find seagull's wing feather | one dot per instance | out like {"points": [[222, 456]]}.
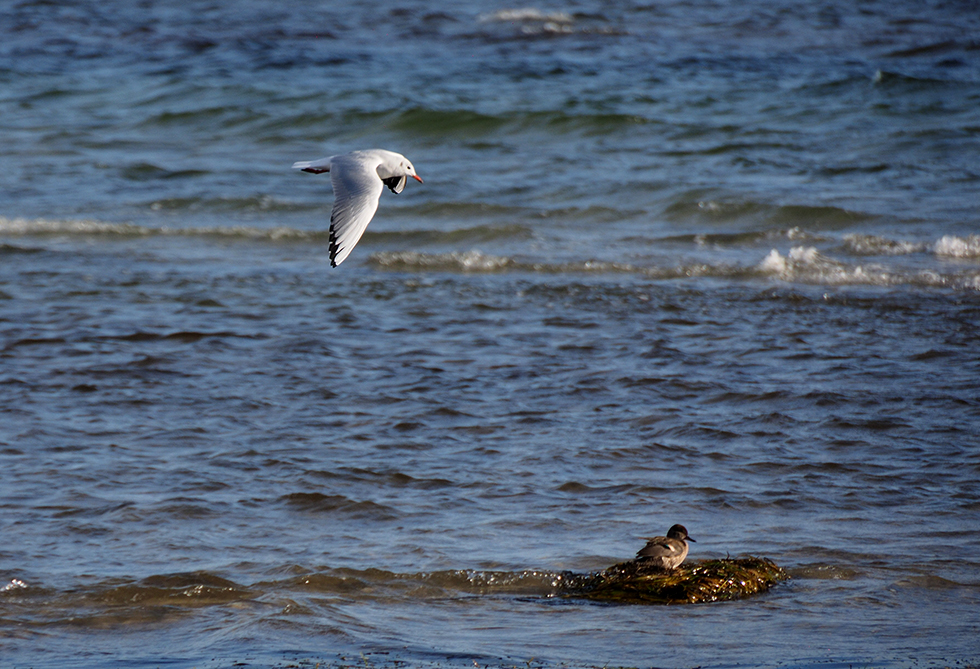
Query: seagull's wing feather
{"points": [[356, 188]]}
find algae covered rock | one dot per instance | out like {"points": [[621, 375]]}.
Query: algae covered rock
{"points": [[691, 583]]}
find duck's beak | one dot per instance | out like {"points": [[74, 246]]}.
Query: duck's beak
{"points": [[690, 539], [418, 178]]}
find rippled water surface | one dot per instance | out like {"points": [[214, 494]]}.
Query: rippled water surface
{"points": [[712, 263]]}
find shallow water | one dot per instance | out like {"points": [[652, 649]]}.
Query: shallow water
{"points": [[716, 265]]}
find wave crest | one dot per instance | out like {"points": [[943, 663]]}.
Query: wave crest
{"points": [[468, 261], [808, 265], [958, 247], [873, 245]]}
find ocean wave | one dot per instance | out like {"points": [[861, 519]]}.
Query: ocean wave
{"points": [[380, 583], [315, 503], [460, 123], [148, 171], [732, 239], [477, 262], [874, 245], [89, 227], [468, 261], [898, 79], [805, 262], [43, 226], [465, 123], [525, 14], [534, 22], [798, 219], [189, 589], [808, 265], [477, 233], [121, 600], [801, 260], [222, 117], [254, 203], [160, 596], [949, 246], [958, 247], [802, 264]]}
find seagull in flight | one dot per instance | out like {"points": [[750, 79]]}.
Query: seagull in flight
{"points": [[358, 179]]}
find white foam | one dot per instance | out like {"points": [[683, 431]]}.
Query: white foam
{"points": [[958, 247], [15, 584], [468, 261], [774, 263], [532, 21], [806, 255], [43, 226], [873, 245], [807, 265], [526, 14]]}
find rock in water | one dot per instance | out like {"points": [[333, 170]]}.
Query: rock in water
{"points": [[634, 582]]}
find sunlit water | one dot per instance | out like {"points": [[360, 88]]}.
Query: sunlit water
{"points": [[716, 265]]}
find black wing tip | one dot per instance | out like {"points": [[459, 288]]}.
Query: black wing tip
{"points": [[334, 248]]}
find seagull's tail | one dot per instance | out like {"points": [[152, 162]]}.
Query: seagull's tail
{"points": [[314, 166]]}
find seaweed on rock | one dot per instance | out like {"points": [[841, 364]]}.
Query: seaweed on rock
{"points": [[691, 583]]}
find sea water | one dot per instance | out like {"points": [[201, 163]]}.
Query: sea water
{"points": [[708, 263]]}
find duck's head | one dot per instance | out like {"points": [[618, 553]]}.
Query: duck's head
{"points": [[678, 532]]}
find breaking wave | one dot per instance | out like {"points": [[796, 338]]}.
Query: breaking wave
{"points": [[801, 265], [958, 247], [805, 264], [854, 259], [86, 227], [948, 246]]}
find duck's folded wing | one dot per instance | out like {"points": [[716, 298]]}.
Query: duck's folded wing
{"points": [[656, 547], [356, 193]]}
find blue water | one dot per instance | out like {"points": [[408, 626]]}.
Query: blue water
{"points": [[715, 264]]}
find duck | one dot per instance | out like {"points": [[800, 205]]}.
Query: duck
{"points": [[666, 552]]}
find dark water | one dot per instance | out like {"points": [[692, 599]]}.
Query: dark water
{"points": [[713, 263]]}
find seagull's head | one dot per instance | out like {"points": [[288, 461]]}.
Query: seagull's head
{"points": [[410, 171], [394, 169]]}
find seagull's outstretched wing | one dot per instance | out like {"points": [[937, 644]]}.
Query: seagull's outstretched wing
{"points": [[357, 189]]}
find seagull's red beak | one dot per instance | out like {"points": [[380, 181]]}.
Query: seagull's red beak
{"points": [[417, 177]]}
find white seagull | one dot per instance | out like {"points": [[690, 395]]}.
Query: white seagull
{"points": [[358, 178]]}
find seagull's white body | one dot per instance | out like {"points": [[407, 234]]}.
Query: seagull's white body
{"points": [[666, 552], [358, 179]]}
